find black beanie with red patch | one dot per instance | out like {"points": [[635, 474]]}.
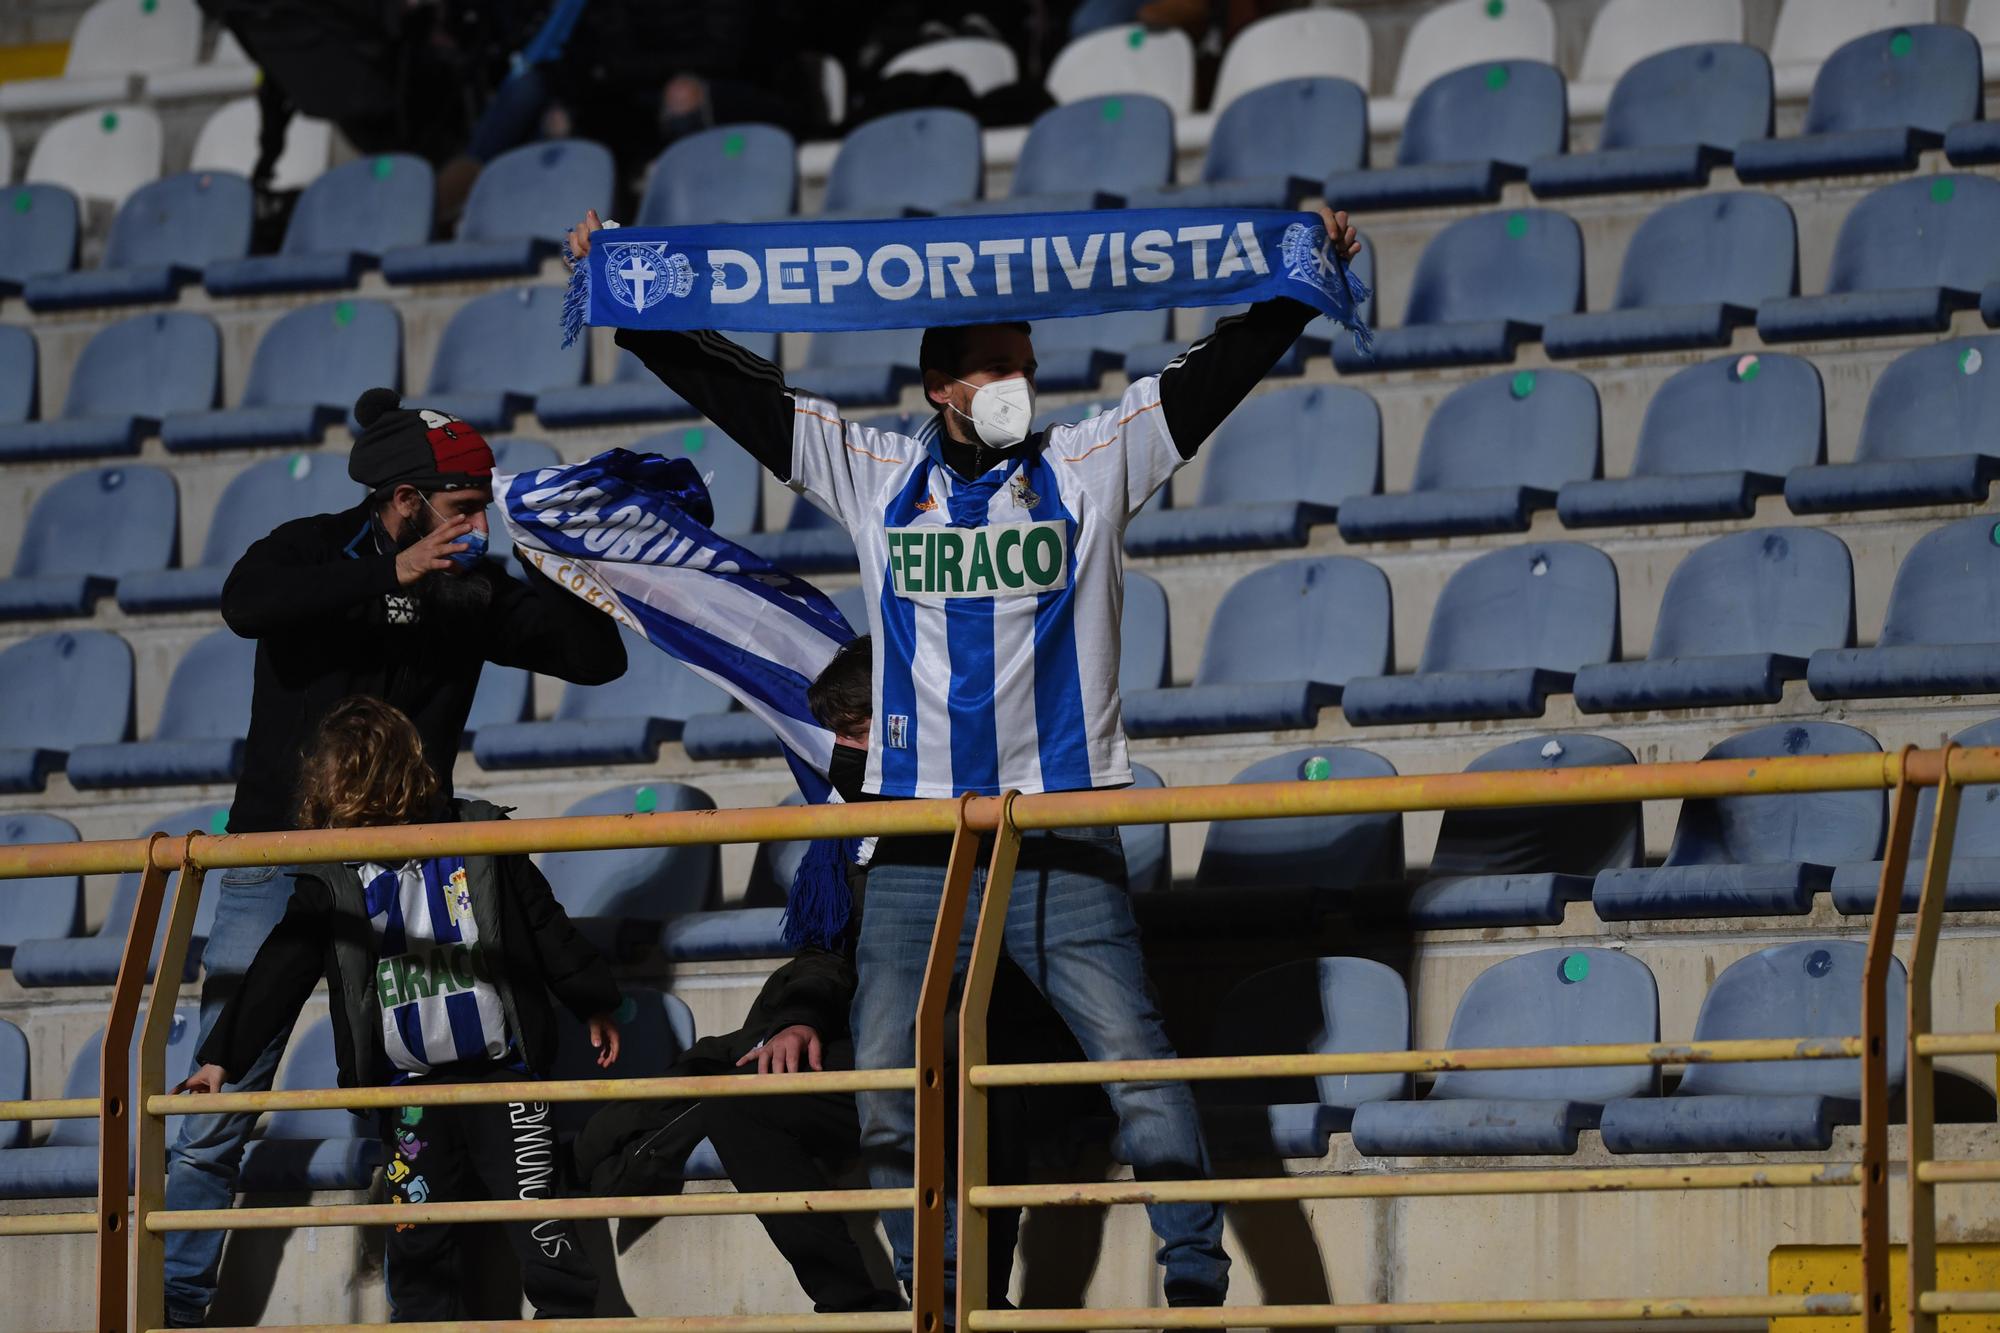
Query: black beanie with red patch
{"points": [[415, 446]]}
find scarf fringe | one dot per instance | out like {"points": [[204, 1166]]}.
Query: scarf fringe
{"points": [[1358, 295], [820, 906], [576, 298]]}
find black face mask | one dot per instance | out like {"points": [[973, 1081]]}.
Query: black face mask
{"points": [[848, 771]]}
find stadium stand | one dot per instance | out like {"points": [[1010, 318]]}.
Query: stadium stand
{"points": [[1460, 33], [732, 173], [114, 42], [228, 71], [1973, 883], [660, 1028], [165, 233], [984, 64], [1277, 48], [1128, 58], [99, 156], [860, 368], [58, 691], [515, 217], [1626, 33], [1810, 31], [133, 515], [1272, 146], [496, 355], [129, 377], [811, 542], [1335, 856], [342, 224], [202, 725], [1938, 636], [48, 907], [1467, 133], [1077, 352], [1096, 153], [310, 366], [618, 898], [912, 162], [38, 235]]}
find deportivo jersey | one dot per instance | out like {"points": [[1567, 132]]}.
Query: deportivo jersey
{"points": [[439, 1006], [994, 603]]}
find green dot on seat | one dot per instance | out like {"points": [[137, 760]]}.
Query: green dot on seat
{"points": [[302, 464], [1495, 8], [732, 145], [1522, 384], [108, 121], [1575, 968], [1113, 109], [24, 201], [693, 440], [1497, 76], [1748, 368], [1942, 189], [382, 167], [1900, 44], [148, 6], [1517, 225], [1317, 769], [1969, 361], [218, 822], [1137, 38], [343, 314], [1996, 534], [645, 801]]}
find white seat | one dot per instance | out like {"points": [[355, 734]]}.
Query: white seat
{"points": [[1810, 30], [1300, 44], [104, 153], [1458, 34], [1982, 20], [1627, 31], [226, 73], [6, 156], [114, 41], [1129, 58], [983, 63], [228, 142]]}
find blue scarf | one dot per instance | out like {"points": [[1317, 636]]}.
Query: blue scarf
{"points": [[918, 272]]}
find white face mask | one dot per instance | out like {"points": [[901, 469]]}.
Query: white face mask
{"points": [[1001, 411]]}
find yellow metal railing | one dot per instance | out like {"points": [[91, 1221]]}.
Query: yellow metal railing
{"points": [[127, 1208]]}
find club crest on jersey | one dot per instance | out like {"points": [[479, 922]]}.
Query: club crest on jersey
{"points": [[1001, 560], [642, 276], [458, 899], [899, 731]]}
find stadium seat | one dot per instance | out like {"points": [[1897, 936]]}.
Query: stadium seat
{"points": [[1927, 437], [1493, 452], [737, 932], [1907, 256], [59, 691], [1096, 153], [46, 907], [634, 393], [310, 366], [1283, 642], [128, 377], [732, 173], [1321, 333], [326, 1149], [256, 500], [1807, 988], [656, 1030], [202, 724], [163, 236], [1338, 855], [341, 225], [227, 72], [38, 231], [1694, 270], [1626, 33], [983, 62], [1939, 636], [231, 140], [1973, 884], [1510, 628], [1273, 145], [93, 960], [1279, 464], [860, 367], [520, 206], [1977, 142], [1739, 618], [811, 542], [1551, 997], [20, 375], [1520, 865], [618, 898], [1127, 58], [1460, 33], [735, 479], [1075, 353], [85, 533], [907, 162], [498, 352], [623, 722], [99, 156], [1877, 102], [114, 40], [1715, 437], [6, 154], [505, 694], [1292, 44], [1316, 1006], [13, 1082], [1469, 131], [1484, 284], [1755, 855], [1809, 32]]}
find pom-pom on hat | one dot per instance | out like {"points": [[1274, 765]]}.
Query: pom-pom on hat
{"points": [[415, 446]]}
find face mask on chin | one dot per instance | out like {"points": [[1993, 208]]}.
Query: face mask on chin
{"points": [[1001, 411]]}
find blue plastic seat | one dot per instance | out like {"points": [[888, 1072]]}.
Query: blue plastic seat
{"points": [[732, 933], [13, 1081], [128, 376], [1096, 153], [1510, 628], [46, 907], [1928, 436], [1468, 131], [1283, 642], [329, 1149], [1940, 634], [1755, 855], [1973, 883], [732, 173], [38, 231], [497, 354], [1521, 865], [201, 730], [256, 500], [1493, 452], [656, 1030], [1807, 988], [618, 898], [505, 694], [811, 542], [1694, 271], [623, 722], [87, 532], [59, 691], [1552, 997], [1484, 285], [1876, 103], [1279, 464], [1672, 118], [20, 375], [1273, 146], [920, 161], [1715, 437], [342, 224], [1338, 855], [520, 206], [859, 367], [634, 393], [163, 236], [310, 366], [1740, 617], [1077, 352], [1907, 256]]}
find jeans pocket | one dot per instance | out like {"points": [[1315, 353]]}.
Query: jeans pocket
{"points": [[244, 877]]}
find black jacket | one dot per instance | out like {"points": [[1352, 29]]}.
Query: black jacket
{"points": [[330, 621]]}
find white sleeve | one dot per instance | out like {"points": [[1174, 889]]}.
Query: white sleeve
{"points": [[1121, 456], [840, 465]]}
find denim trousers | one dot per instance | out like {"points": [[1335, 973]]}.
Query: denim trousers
{"points": [[1069, 927]]}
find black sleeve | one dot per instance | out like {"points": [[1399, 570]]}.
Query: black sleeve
{"points": [[280, 980], [539, 627], [574, 972], [1208, 380], [285, 579], [739, 391], [816, 989]]}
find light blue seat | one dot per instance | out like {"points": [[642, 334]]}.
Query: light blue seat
{"points": [[20, 375], [618, 898], [623, 722], [202, 725], [1095, 153], [1695, 270], [1510, 628], [1672, 118], [920, 161], [127, 378], [1273, 146], [59, 691], [46, 907], [859, 367], [1467, 132], [1755, 855], [1493, 452], [329, 1149], [1715, 437], [1877, 102], [1145, 660], [634, 393], [1282, 643], [1552, 997], [1340, 856], [38, 231], [256, 500], [732, 173], [738, 932], [1939, 636], [520, 206], [656, 1030], [87, 532], [1484, 285], [342, 224], [1973, 884], [1075, 353], [505, 694], [1521, 865], [163, 236], [1807, 988], [1907, 255], [1739, 618], [309, 368], [13, 1081], [497, 354], [1931, 435], [811, 542]]}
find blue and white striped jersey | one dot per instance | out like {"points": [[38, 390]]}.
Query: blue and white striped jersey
{"points": [[439, 1006]]}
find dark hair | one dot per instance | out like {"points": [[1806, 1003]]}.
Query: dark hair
{"points": [[365, 767], [842, 699], [943, 348]]}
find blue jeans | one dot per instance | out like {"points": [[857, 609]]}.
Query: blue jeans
{"points": [[204, 1159], [1069, 927]]}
